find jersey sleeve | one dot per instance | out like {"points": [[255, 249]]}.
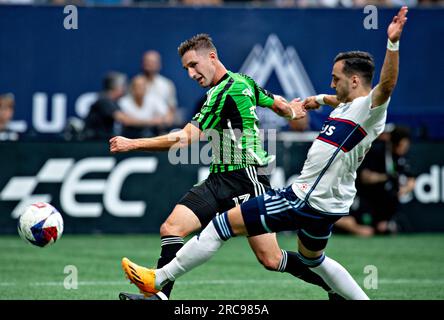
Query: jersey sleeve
{"points": [[381, 106], [263, 97], [377, 114]]}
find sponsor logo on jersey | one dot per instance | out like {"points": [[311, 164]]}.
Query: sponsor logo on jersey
{"points": [[341, 133]]}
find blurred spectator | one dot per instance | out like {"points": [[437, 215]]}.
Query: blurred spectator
{"points": [[7, 103], [99, 123], [160, 91], [105, 113], [16, 1], [137, 104], [383, 179]]}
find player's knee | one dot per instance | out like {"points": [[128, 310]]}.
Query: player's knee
{"points": [[312, 244], [269, 262], [177, 227], [169, 228]]}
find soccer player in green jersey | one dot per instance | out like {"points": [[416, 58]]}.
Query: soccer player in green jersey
{"points": [[228, 118]]}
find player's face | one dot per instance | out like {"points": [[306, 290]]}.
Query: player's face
{"points": [[138, 87], [151, 62], [403, 147], [340, 82], [200, 66], [6, 113]]}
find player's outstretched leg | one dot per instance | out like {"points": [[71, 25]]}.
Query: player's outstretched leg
{"points": [[169, 245], [338, 278], [194, 253], [197, 250], [142, 277], [292, 263], [181, 222], [269, 254], [335, 275]]}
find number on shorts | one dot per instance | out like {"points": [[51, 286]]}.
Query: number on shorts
{"points": [[241, 199]]}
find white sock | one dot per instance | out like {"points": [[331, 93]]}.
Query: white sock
{"points": [[339, 280], [194, 253]]}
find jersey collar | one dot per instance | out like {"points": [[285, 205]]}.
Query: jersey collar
{"points": [[225, 76]]}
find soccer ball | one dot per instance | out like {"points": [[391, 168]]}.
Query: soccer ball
{"points": [[41, 224]]}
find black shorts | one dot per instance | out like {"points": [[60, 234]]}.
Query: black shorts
{"points": [[281, 210], [223, 191]]}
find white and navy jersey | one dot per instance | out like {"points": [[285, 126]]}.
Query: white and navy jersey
{"points": [[327, 180]]}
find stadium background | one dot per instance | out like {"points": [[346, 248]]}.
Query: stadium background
{"points": [[54, 74]]}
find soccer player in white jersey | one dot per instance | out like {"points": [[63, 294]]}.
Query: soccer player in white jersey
{"points": [[325, 189]]}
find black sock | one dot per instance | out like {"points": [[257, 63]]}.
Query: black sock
{"points": [[169, 247], [291, 263]]}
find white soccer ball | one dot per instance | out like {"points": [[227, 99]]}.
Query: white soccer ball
{"points": [[41, 224]]}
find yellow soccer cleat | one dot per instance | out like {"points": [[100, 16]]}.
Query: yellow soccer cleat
{"points": [[142, 277]]}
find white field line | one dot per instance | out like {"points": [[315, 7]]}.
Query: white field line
{"points": [[433, 282]]}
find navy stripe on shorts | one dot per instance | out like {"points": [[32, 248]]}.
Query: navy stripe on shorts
{"points": [[281, 210]]}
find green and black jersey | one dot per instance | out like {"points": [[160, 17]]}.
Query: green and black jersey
{"points": [[229, 120]]}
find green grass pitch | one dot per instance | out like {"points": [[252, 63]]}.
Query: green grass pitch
{"points": [[408, 267]]}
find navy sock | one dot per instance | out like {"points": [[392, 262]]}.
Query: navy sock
{"points": [[295, 264]]}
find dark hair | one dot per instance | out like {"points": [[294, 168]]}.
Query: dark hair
{"points": [[113, 80], [199, 41], [398, 134], [358, 62]]}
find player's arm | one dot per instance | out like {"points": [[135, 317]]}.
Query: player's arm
{"points": [[390, 68], [178, 139], [290, 110], [372, 177], [408, 187], [279, 104], [314, 102]]}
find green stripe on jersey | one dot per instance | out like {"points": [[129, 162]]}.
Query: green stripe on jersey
{"points": [[229, 120]]}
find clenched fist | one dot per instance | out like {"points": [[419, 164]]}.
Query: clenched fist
{"points": [[120, 144], [310, 103]]}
